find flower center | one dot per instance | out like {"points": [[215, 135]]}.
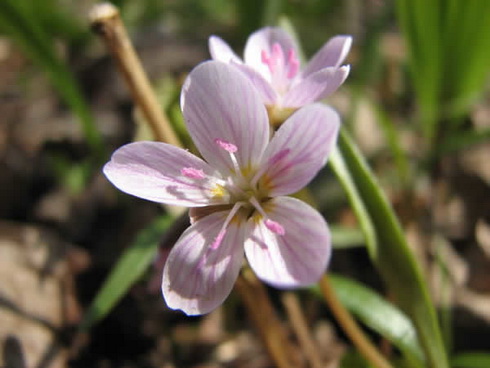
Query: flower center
{"points": [[244, 192], [283, 67]]}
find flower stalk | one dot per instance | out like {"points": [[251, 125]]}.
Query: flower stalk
{"points": [[298, 322], [351, 328], [265, 319], [106, 22]]}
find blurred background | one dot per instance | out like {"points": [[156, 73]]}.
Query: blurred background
{"points": [[416, 103]]}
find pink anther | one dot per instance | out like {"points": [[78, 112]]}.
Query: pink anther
{"points": [[293, 64], [192, 173], [227, 146], [277, 52], [275, 227], [275, 59], [269, 61]]}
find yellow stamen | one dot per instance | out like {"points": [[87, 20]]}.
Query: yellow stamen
{"points": [[218, 191]]}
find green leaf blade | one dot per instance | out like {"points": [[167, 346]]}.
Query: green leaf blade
{"points": [[129, 269], [392, 256], [19, 21], [379, 315], [471, 360]]}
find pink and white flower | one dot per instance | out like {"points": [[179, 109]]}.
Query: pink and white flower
{"points": [[237, 192], [271, 62]]}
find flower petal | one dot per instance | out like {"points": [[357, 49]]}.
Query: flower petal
{"points": [[299, 149], [332, 54], [315, 87], [196, 277], [154, 171], [221, 51], [269, 94], [297, 258], [262, 40], [219, 102]]}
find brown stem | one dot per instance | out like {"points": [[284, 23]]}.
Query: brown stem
{"points": [[300, 327], [107, 23], [351, 328], [255, 298]]}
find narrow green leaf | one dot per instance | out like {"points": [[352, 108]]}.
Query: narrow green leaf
{"points": [[455, 142], [352, 359], [448, 58], [471, 360], [419, 22], [466, 52], [17, 20], [394, 142], [346, 237], [271, 11], [379, 315], [130, 267], [392, 255], [340, 169]]}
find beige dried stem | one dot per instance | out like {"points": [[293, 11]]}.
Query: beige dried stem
{"points": [[106, 22], [264, 317], [351, 328], [300, 326]]}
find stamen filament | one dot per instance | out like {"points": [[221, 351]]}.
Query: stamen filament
{"points": [[238, 171], [231, 149], [219, 238]]}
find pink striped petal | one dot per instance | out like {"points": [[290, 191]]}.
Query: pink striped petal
{"points": [[220, 103], [299, 149], [262, 40], [197, 278], [269, 94], [297, 258], [332, 54], [221, 51], [315, 87], [163, 173]]}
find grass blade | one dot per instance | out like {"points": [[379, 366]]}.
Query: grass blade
{"points": [[16, 21], [130, 267], [392, 256], [471, 360], [379, 315], [344, 237], [341, 170]]}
